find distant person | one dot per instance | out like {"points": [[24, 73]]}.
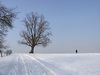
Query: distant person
{"points": [[76, 51], [1, 52]]}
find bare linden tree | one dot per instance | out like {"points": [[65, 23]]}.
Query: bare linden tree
{"points": [[36, 31]]}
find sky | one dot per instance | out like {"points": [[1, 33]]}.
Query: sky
{"points": [[75, 24]]}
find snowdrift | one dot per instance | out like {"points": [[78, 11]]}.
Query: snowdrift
{"points": [[50, 64]]}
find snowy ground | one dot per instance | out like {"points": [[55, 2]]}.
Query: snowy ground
{"points": [[50, 64]]}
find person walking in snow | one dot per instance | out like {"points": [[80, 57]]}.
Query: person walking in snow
{"points": [[1, 52], [76, 51]]}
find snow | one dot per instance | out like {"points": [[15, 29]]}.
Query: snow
{"points": [[51, 64]]}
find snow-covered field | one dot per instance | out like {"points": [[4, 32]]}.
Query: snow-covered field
{"points": [[51, 64]]}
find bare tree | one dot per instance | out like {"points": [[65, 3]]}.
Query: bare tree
{"points": [[6, 19], [36, 31], [8, 52]]}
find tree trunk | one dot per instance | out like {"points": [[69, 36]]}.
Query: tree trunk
{"points": [[32, 50]]}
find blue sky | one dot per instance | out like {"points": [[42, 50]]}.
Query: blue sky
{"points": [[75, 24]]}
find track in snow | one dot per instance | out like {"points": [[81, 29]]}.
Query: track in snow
{"points": [[51, 64], [23, 65]]}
